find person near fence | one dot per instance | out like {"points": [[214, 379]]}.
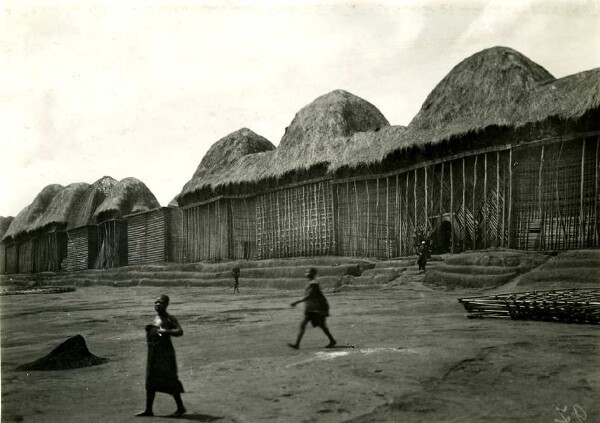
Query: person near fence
{"points": [[236, 278], [423, 256], [316, 310], [161, 367]]}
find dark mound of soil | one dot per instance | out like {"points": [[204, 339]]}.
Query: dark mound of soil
{"points": [[71, 354]]}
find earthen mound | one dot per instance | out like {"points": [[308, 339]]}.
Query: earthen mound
{"points": [[71, 354]]}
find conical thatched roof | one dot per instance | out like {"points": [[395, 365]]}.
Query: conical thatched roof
{"points": [[61, 207], [94, 195], [32, 212], [4, 224], [318, 129], [220, 160], [129, 195], [487, 88]]}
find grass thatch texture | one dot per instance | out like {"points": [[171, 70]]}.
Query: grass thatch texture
{"points": [[128, 196], [308, 139], [23, 221], [61, 207], [487, 88], [4, 224], [94, 195], [222, 157]]}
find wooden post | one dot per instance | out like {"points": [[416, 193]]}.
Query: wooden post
{"points": [[581, 185], [398, 218], [540, 195], [426, 205], [357, 217], [348, 221], [387, 215], [367, 249], [473, 195], [407, 239], [452, 206], [485, 199], [498, 243], [464, 210], [510, 196], [596, 194], [415, 203]]}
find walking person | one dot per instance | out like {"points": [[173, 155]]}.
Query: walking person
{"points": [[423, 256], [316, 310], [161, 367], [236, 276]]}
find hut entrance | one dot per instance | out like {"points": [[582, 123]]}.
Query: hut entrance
{"points": [[441, 237]]}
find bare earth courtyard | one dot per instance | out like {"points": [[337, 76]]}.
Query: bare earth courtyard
{"points": [[416, 358]]}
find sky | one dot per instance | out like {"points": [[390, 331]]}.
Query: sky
{"points": [[144, 88]]}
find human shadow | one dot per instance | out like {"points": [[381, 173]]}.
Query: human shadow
{"points": [[195, 417]]}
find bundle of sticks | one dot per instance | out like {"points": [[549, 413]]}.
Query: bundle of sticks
{"points": [[567, 306]]}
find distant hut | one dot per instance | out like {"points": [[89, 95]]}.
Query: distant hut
{"points": [[217, 226], [501, 155], [17, 240], [128, 196], [82, 232], [4, 224]]}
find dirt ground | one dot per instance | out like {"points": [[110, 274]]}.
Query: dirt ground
{"points": [[417, 358]]}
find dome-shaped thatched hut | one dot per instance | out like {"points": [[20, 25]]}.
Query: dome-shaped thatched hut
{"points": [[82, 231], [128, 196]]}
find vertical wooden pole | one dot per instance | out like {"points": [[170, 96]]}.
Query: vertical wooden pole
{"points": [[485, 201], [357, 218], [326, 221], [581, 186], [464, 210], [387, 216], [474, 194], [406, 219], [415, 204], [367, 249], [348, 225], [540, 198], [510, 196], [498, 199], [397, 219], [426, 203], [452, 228], [596, 194]]}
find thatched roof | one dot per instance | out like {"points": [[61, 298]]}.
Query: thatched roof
{"points": [[128, 196], [4, 224], [488, 88], [322, 127], [220, 160], [23, 221], [94, 195], [61, 207], [317, 135]]}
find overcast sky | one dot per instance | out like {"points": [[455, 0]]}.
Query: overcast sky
{"points": [[144, 88]]}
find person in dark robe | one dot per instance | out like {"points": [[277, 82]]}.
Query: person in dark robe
{"points": [[236, 277], [161, 367], [423, 256], [316, 310]]}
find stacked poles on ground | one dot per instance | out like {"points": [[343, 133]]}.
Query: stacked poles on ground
{"points": [[566, 306]]}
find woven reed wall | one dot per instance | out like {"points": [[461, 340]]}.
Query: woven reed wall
{"points": [[556, 196], [206, 231], [458, 205], [12, 258], [243, 229], [146, 237], [297, 221], [175, 251], [49, 251], [25, 256], [112, 242], [82, 248]]}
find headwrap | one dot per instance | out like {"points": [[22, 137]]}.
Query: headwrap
{"points": [[164, 299]]}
